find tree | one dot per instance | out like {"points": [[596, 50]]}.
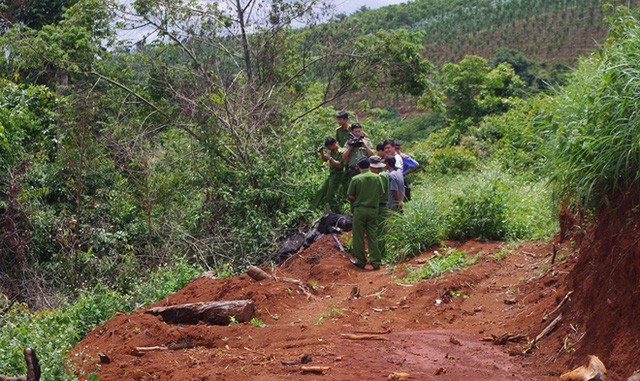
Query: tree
{"points": [[473, 89]]}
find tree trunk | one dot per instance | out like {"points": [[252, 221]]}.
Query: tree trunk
{"points": [[217, 313]]}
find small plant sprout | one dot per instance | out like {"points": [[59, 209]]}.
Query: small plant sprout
{"points": [[257, 323]]}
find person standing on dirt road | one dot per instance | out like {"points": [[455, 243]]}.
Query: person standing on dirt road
{"points": [[365, 191], [378, 166], [329, 192]]}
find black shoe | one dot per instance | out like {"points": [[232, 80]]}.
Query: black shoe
{"points": [[356, 263]]}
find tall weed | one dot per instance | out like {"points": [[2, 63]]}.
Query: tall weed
{"points": [[598, 150]]}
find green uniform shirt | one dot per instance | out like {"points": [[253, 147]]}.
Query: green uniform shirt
{"points": [[357, 153], [384, 175], [367, 189], [342, 136], [337, 156]]}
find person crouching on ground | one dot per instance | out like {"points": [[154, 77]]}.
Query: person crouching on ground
{"points": [[365, 191]]}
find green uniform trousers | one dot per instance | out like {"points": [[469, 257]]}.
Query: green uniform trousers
{"points": [[330, 193], [365, 220]]}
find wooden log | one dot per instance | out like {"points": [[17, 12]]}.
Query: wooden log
{"points": [[217, 313], [257, 273], [33, 365]]}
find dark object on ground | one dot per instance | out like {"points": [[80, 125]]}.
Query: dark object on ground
{"points": [[334, 223], [312, 236], [290, 246], [217, 313]]}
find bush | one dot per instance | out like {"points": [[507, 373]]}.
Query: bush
{"points": [[495, 205], [480, 211], [419, 228], [452, 160]]}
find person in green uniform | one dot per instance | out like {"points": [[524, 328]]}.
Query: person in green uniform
{"points": [[329, 193], [378, 166], [356, 148], [343, 130], [365, 191]]}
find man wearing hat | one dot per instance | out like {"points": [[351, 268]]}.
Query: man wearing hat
{"points": [[365, 191]]}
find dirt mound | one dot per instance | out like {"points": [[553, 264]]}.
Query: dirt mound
{"points": [[606, 280], [438, 329]]}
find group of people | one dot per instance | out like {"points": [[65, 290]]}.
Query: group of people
{"points": [[373, 181]]}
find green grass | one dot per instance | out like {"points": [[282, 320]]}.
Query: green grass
{"points": [[450, 260], [598, 114]]}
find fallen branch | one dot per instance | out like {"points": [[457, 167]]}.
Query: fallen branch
{"points": [[566, 297], [258, 274], [315, 369], [352, 336], [544, 332], [140, 351]]}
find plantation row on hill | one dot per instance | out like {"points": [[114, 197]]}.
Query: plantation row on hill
{"points": [[548, 31]]}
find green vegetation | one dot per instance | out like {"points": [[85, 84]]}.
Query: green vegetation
{"points": [[53, 332], [451, 259], [598, 151], [196, 150]]}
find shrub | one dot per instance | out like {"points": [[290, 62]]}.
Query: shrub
{"points": [[452, 160]]}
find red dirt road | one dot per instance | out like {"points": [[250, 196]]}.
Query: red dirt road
{"points": [[424, 338]]}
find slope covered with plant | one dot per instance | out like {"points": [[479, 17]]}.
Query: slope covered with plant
{"points": [[196, 149]]}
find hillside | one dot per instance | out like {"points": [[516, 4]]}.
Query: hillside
{"points": [[548, 31]]}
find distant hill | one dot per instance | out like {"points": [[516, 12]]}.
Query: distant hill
{"points": [[548, 31]]}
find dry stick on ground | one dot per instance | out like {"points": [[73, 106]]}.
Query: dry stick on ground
{"points": [[544, 333], [352, 336], [340, 247], [566, 297], [217, 313], [139, 351], [315, 369], [258, 274]]}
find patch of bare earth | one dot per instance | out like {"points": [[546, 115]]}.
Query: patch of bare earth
{"points": [[474, 323]]}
